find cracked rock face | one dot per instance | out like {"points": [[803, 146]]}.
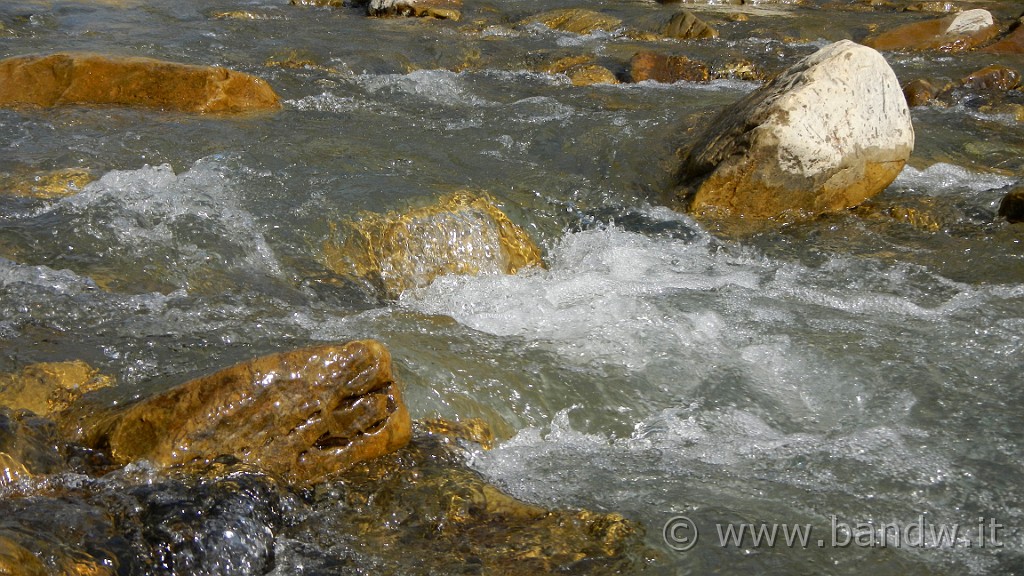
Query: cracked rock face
{"points": [[99, 80], [828, 133], [302, 415]]}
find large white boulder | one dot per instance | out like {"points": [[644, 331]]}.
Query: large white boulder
{"points": [[828, 133]]}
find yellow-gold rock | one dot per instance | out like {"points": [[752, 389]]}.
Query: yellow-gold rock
{"points": [[462, 234], [100, 80]]}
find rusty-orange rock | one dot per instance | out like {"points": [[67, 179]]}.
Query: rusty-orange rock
{"points": [[1012, 206], [666, 68], [1012, 43], [94, 79], [303, 415], [955, 33], [994, 77]]}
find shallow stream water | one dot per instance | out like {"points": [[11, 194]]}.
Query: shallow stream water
{"points": [[852, 371]]}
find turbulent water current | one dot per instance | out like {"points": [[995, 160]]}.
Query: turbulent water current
{"points": [[846, 373]]}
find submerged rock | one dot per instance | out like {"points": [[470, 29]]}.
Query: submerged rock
{"points": [[424, 494], [66, 537], [809, 142], [49, 387], [94, 79], [954, 33], [575, 20], [683, 25], [994, 77], [47, 185], [29, 445], [303, 415], [462, 234], [1012, 43], [1012, 206], [442, 9], [581, 71], [991, 89]]}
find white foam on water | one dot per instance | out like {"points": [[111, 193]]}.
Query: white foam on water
{"points": [[602, 297], [196, 216], [949, 179], [324, 102], [440, 87]]}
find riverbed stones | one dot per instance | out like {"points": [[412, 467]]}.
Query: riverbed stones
{"points": [[992, 88], [462, 234], [1012, 206], [954, 33], [99, 80], [826, 134], [441, 9], [303, 415]]}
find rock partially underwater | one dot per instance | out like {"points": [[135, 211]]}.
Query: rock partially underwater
{"points": [[828, 133], [954, 33], [272, 465], [303, 415], [462, 234], [99, 80]]}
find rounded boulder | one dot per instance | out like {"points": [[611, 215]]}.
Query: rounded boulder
{"points": [[828, 133]]}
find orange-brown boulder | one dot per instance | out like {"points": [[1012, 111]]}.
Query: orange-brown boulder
{"points": [[955, 33], [99, 80], [1012, 43], [666, 68], [994, 77], [302, 415]]}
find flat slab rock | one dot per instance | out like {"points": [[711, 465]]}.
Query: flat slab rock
{"points": [[826, 134], [95, 79]]}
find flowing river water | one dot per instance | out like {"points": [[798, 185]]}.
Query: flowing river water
{"points": [[844, 373]]}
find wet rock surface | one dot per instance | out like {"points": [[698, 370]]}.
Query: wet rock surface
{"points": [[424, 494], [97, 80], [666, 68], [419, 510], [462, 234], [443, 9], [1012, 206], [49, 387], [303, 414], [29, 445], [809, 142], [955, 33]]}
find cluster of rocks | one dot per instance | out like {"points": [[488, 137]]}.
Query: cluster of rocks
{"points": [[237, 457]]}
